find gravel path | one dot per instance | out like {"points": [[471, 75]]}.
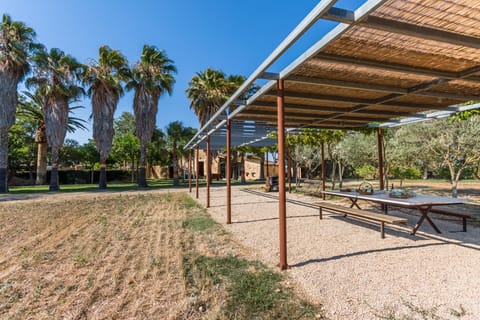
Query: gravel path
{"points": [[343, 263]]}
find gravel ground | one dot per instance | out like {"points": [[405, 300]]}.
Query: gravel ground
{"points": [[343, 264]]}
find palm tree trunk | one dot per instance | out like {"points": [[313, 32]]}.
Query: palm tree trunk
{"points": [[242, 168], [41, 163], [54, 186], [3, 160], [102, 183], [262, 167], [142, 175], [266, 160]]}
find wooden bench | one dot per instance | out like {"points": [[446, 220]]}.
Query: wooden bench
{"points": [[456, 212], [377, 217]]}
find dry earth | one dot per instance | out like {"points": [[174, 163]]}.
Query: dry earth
{"points": [[131, 255], [100, 257]]}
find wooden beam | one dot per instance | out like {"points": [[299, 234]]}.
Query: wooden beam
{"points": [[395, 67], [422, 32], [309, 116], [366, 102], [383, 88]]}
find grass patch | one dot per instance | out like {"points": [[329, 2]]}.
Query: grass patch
{"points": [[230, 287], [199, 222], [189, 203], [254, 291], [152, 184]]}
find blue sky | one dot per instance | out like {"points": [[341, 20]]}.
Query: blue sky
{"points": [[233, 36]]}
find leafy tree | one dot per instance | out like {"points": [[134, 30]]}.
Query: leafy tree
{"points": [[105, 79], [360, 149], [127, 148], [21, 155], [56, 78], [16, 44], [89, 156], [69, 154], [152, 77], [157, 153], [456, 142]]}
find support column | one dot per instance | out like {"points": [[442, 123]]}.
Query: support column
{"points": [[208, 171], [229, 174], [323, 170], [197, 165], [282, 206], [190, 170], [380, 158]]}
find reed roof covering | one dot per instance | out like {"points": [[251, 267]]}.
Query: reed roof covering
{"points": [[382, 62]]}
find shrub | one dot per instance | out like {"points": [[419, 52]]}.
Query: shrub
{"points": [[366, 172], [404, 172]]}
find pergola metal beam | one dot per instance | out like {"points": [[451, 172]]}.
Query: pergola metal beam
{"points": [[307, 22], [340, 15], [269, 76], [289, 106]]}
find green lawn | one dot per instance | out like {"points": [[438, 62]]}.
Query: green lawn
{"points": [[152, 184]]}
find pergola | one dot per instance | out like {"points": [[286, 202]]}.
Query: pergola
{"points": [[386, 63]]}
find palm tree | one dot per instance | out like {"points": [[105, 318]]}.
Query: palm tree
{"points": [[33, 109], [56, 77], [16, 43], [177, 136], [105, 79], [151, 77], [207, 92]]}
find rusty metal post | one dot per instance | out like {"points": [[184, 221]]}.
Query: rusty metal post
{"points": [[380, 158], [323, 171], [229, 175], [190, 171], [282, 199], [208, 171], [197, 165]]}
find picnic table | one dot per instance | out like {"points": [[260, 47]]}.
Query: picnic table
{"points": [[422, 203]]}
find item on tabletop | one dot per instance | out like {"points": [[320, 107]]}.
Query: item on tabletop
{"points": [[401, 193], [365, 188], [345, 190]]}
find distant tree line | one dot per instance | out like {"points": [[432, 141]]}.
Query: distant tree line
{"points": [[56, 80]]}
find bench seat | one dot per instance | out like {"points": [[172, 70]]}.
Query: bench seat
{"points": [[377, 217], [456, 212]]}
